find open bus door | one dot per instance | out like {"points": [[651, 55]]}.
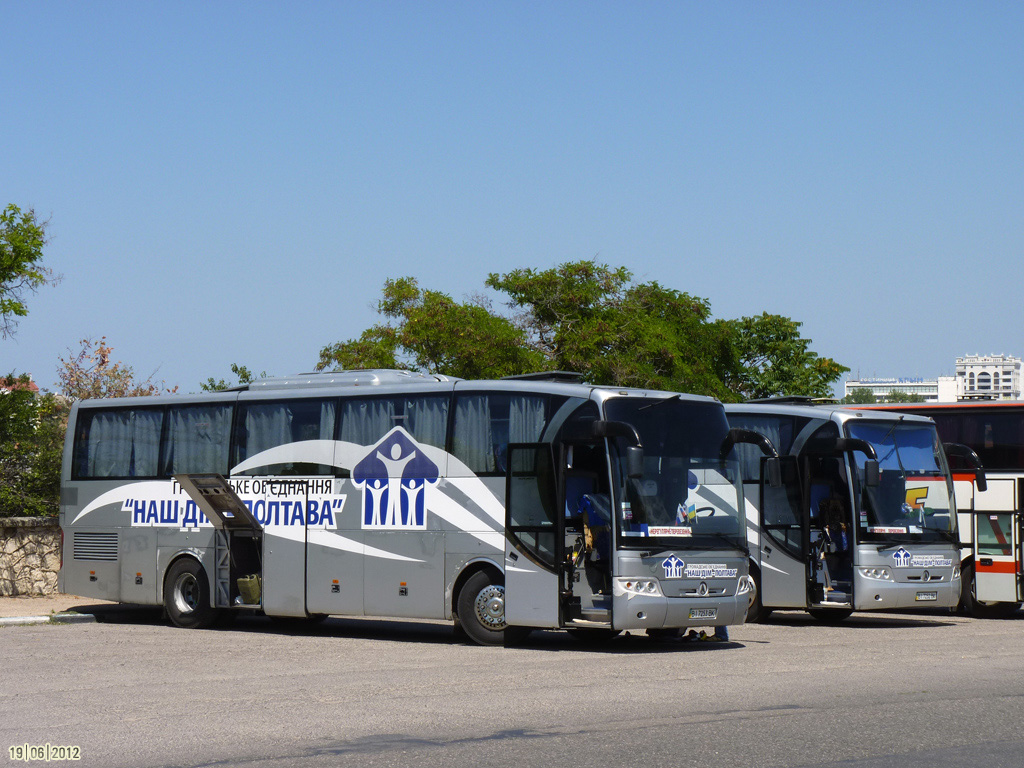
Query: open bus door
{"points": [[997, 547], [784, 554], [534, 532]]}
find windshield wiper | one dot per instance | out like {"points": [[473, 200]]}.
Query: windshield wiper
{"points": [[732, 541], [658, 402], [949, 536]]}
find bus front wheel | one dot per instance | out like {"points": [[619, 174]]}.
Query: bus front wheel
{"points": [[187, 595], [482, 609]]}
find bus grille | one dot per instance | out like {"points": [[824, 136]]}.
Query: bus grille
{"points": [[94, 546]]}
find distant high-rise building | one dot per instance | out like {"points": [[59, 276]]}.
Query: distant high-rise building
{"points": [[988, 377]]}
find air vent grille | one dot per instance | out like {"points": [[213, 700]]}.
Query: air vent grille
{"points": [[94, 546]]}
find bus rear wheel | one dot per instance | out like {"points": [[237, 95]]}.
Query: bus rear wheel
{"points": [[187, 595]]}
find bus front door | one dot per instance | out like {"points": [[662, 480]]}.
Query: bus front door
{"points": [[783, 554], [534, 531]]}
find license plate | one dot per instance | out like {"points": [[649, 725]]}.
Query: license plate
{"points": [[704, 613], [927, 596]]}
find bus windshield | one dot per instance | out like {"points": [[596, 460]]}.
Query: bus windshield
{"points": [[688, 497], [913, 500]]}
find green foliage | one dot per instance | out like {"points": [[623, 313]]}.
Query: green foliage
{"points": [[775, 360], [430, 332], [902, 397], [591, 319], [859, 396], [22, 237], [244, 375], [31, 443], [588, 318]]}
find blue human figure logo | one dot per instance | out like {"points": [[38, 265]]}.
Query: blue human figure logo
{"points": [[673, 567], [901, 558], [394, 476]]}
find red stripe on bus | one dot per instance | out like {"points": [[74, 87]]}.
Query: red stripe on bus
{"points": [[996, 568]]}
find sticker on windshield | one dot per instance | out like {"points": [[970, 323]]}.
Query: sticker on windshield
{"points": [[668, 530], [885, 529]]}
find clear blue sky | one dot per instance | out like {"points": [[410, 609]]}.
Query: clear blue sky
{"points": [[233, 182]]}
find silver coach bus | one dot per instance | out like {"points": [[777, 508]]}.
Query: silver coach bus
{"points": [[864, 519], [531, 502]]}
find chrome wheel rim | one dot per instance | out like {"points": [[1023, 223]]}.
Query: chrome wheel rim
{"points": [[490, 607], [186, 593]]}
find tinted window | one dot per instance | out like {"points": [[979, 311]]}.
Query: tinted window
{"points": [[263, 426], [196, 439], [486, 423], [123, 442], [365, 421]]}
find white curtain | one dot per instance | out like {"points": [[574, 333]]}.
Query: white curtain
{"points": [[426, 418], [198, 439], [472, 441], [525, 419], [123, 443], [364, 422]]}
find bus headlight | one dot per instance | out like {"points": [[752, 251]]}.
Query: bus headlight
{"points": [[879, 573], [746, 584], [645, 587], [956, 571]]}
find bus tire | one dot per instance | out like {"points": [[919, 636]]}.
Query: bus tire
{"points": [[977, 609], [756, 612], [482, 609], [187, 595], [830, 615]]}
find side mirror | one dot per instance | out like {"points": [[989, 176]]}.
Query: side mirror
{"points": [[856, 444], [773, 469], [634, 462], [738, 435], [872, 474], [970, 458]]}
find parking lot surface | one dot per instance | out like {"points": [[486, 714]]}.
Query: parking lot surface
{"points": [[876, 690]]}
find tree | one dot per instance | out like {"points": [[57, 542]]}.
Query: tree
{"points": [[591, 319], [902, 397], [428, 331], [775, 360], [22, 237], [860, 396], [90, 373], [31, 444], [587, 317], [245, 376]]}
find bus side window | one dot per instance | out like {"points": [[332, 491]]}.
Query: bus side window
{"points": [[196, 439], [485, 424], [122, 442], [262, 426]]}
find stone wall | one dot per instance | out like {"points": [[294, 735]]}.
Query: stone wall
{"points": [[29, 555]]}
